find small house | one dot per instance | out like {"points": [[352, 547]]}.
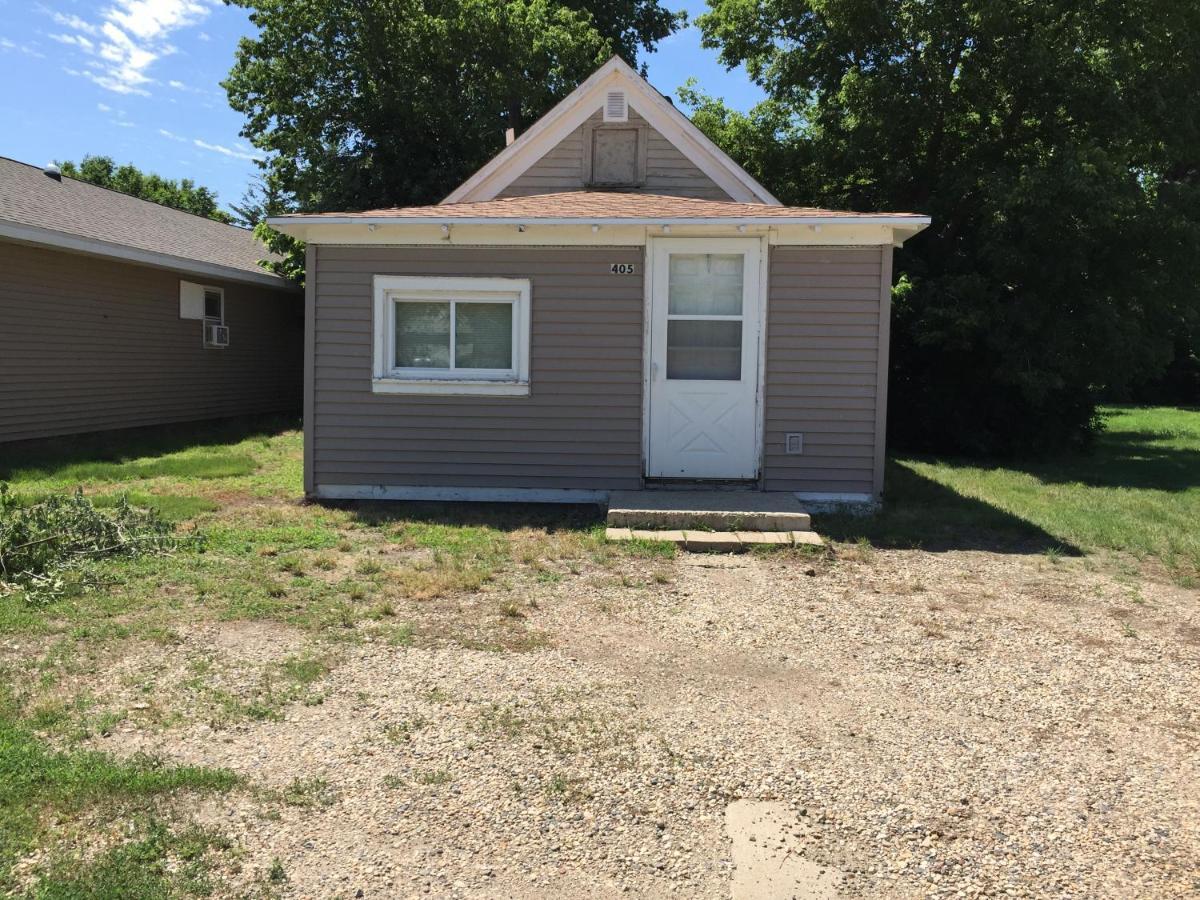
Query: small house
{"points": [[117, 313], [610, 303]]}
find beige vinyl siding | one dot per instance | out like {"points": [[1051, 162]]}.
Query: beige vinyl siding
{"points": [[668, 171], [88, 344], [821, 367], [580, 427]]}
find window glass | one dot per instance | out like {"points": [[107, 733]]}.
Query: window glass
{"points": [[212, 304], [422, 335], [705, 284], [483, 335], [699, 350]]}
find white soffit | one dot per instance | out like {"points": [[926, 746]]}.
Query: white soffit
{"points": [[615, 75]]}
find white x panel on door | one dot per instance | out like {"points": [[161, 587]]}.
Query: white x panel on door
{"points": [[705, 318]]}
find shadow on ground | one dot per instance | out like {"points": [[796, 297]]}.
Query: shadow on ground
{"points": [[51, 455], [1126, 459], [919, 513], [550, 517]]}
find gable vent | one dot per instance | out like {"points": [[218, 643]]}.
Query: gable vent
{"points": [[615, 107]]}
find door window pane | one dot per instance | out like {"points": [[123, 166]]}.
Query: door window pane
{"points": [[483, 335], [422, 335], [705, 284], [704, 351]]}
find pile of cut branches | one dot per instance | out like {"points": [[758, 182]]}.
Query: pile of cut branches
{"points": [[47, 547]]}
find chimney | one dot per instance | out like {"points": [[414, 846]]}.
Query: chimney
{"points": [[53, 171], [510, 135]]}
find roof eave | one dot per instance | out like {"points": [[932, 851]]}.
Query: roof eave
{"points": [[919, 222], [61, 240]]}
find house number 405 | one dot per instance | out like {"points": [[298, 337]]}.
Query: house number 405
{"points": [[622, 269]]}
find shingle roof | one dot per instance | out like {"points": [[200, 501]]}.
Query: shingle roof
{"points": [[590, 205], [29, 197]]}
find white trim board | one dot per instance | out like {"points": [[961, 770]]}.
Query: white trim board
{"points": [[571, 112], [587, 234], [47, 237], [451, 494]]}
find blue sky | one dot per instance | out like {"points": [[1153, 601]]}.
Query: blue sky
{"points": [[139, 80]]}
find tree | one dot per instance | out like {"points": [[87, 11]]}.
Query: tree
{"points": [[128, 179], [374, 103], [1053, 142]]}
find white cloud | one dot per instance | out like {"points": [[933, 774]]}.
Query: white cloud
{"points": [[121, 123], [172, 135], [226, 151], [28, 49], [77, 40], [132, 36], [178, 85], [103, 107], [74, 22], [204, 36], [152, 19]]}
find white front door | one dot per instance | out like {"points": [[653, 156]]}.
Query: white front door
{"points": [[705, 318]]}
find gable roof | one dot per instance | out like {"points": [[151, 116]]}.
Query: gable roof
{"points": [[75, 215], [602, 207], [576, 107]]}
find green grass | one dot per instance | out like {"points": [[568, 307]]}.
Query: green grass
{"points": [[1137, 492], [39, 784]]}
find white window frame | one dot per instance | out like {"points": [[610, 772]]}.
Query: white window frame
{"points": [[220, 292], [389, 379]]}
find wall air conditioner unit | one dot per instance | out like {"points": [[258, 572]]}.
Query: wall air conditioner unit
{"points": [[216, 334]]}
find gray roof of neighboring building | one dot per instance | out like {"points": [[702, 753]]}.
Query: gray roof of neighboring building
{"points": [[76, 215]]}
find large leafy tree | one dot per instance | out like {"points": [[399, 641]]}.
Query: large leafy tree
{"points": [[371, 103], [128, 179], [1053, 142]]}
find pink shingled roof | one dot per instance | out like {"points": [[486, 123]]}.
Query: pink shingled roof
{"points": [[596, 205]]}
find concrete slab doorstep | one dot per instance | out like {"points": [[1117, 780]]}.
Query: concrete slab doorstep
{"points": [[713, 542], [717, 541], [766, 844], [807, 537], [767, 538], [675, 537], [716, 510]]}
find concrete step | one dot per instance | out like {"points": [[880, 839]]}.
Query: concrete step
{"points": [[718, 541], [715, 510]]}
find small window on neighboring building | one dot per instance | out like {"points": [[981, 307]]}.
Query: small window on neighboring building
{"points": [[214, 304], [451, 335]]}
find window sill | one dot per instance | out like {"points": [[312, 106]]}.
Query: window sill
{"points": [[450, 388]]}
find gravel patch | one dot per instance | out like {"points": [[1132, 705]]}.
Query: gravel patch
{"points": [[953, 724]]}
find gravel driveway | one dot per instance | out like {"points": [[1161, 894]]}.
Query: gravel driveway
{"points": [[900, 723]]}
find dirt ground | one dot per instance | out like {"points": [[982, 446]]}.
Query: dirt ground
{"points": [[873, 723]]}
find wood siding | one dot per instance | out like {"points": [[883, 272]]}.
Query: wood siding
{"points": [[668, 171], [580, 428], [89, 344], [823, 316]]}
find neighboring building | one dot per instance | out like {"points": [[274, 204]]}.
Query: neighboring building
{"points": [[609, 302], [116, 312]]}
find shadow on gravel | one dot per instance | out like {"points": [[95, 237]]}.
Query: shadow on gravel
{"points": [[551, 517], [919, 513]]}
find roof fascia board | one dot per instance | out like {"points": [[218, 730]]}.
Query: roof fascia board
{"points": [[584, 235], [572, 111], [284, 222], [48, 237]]}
